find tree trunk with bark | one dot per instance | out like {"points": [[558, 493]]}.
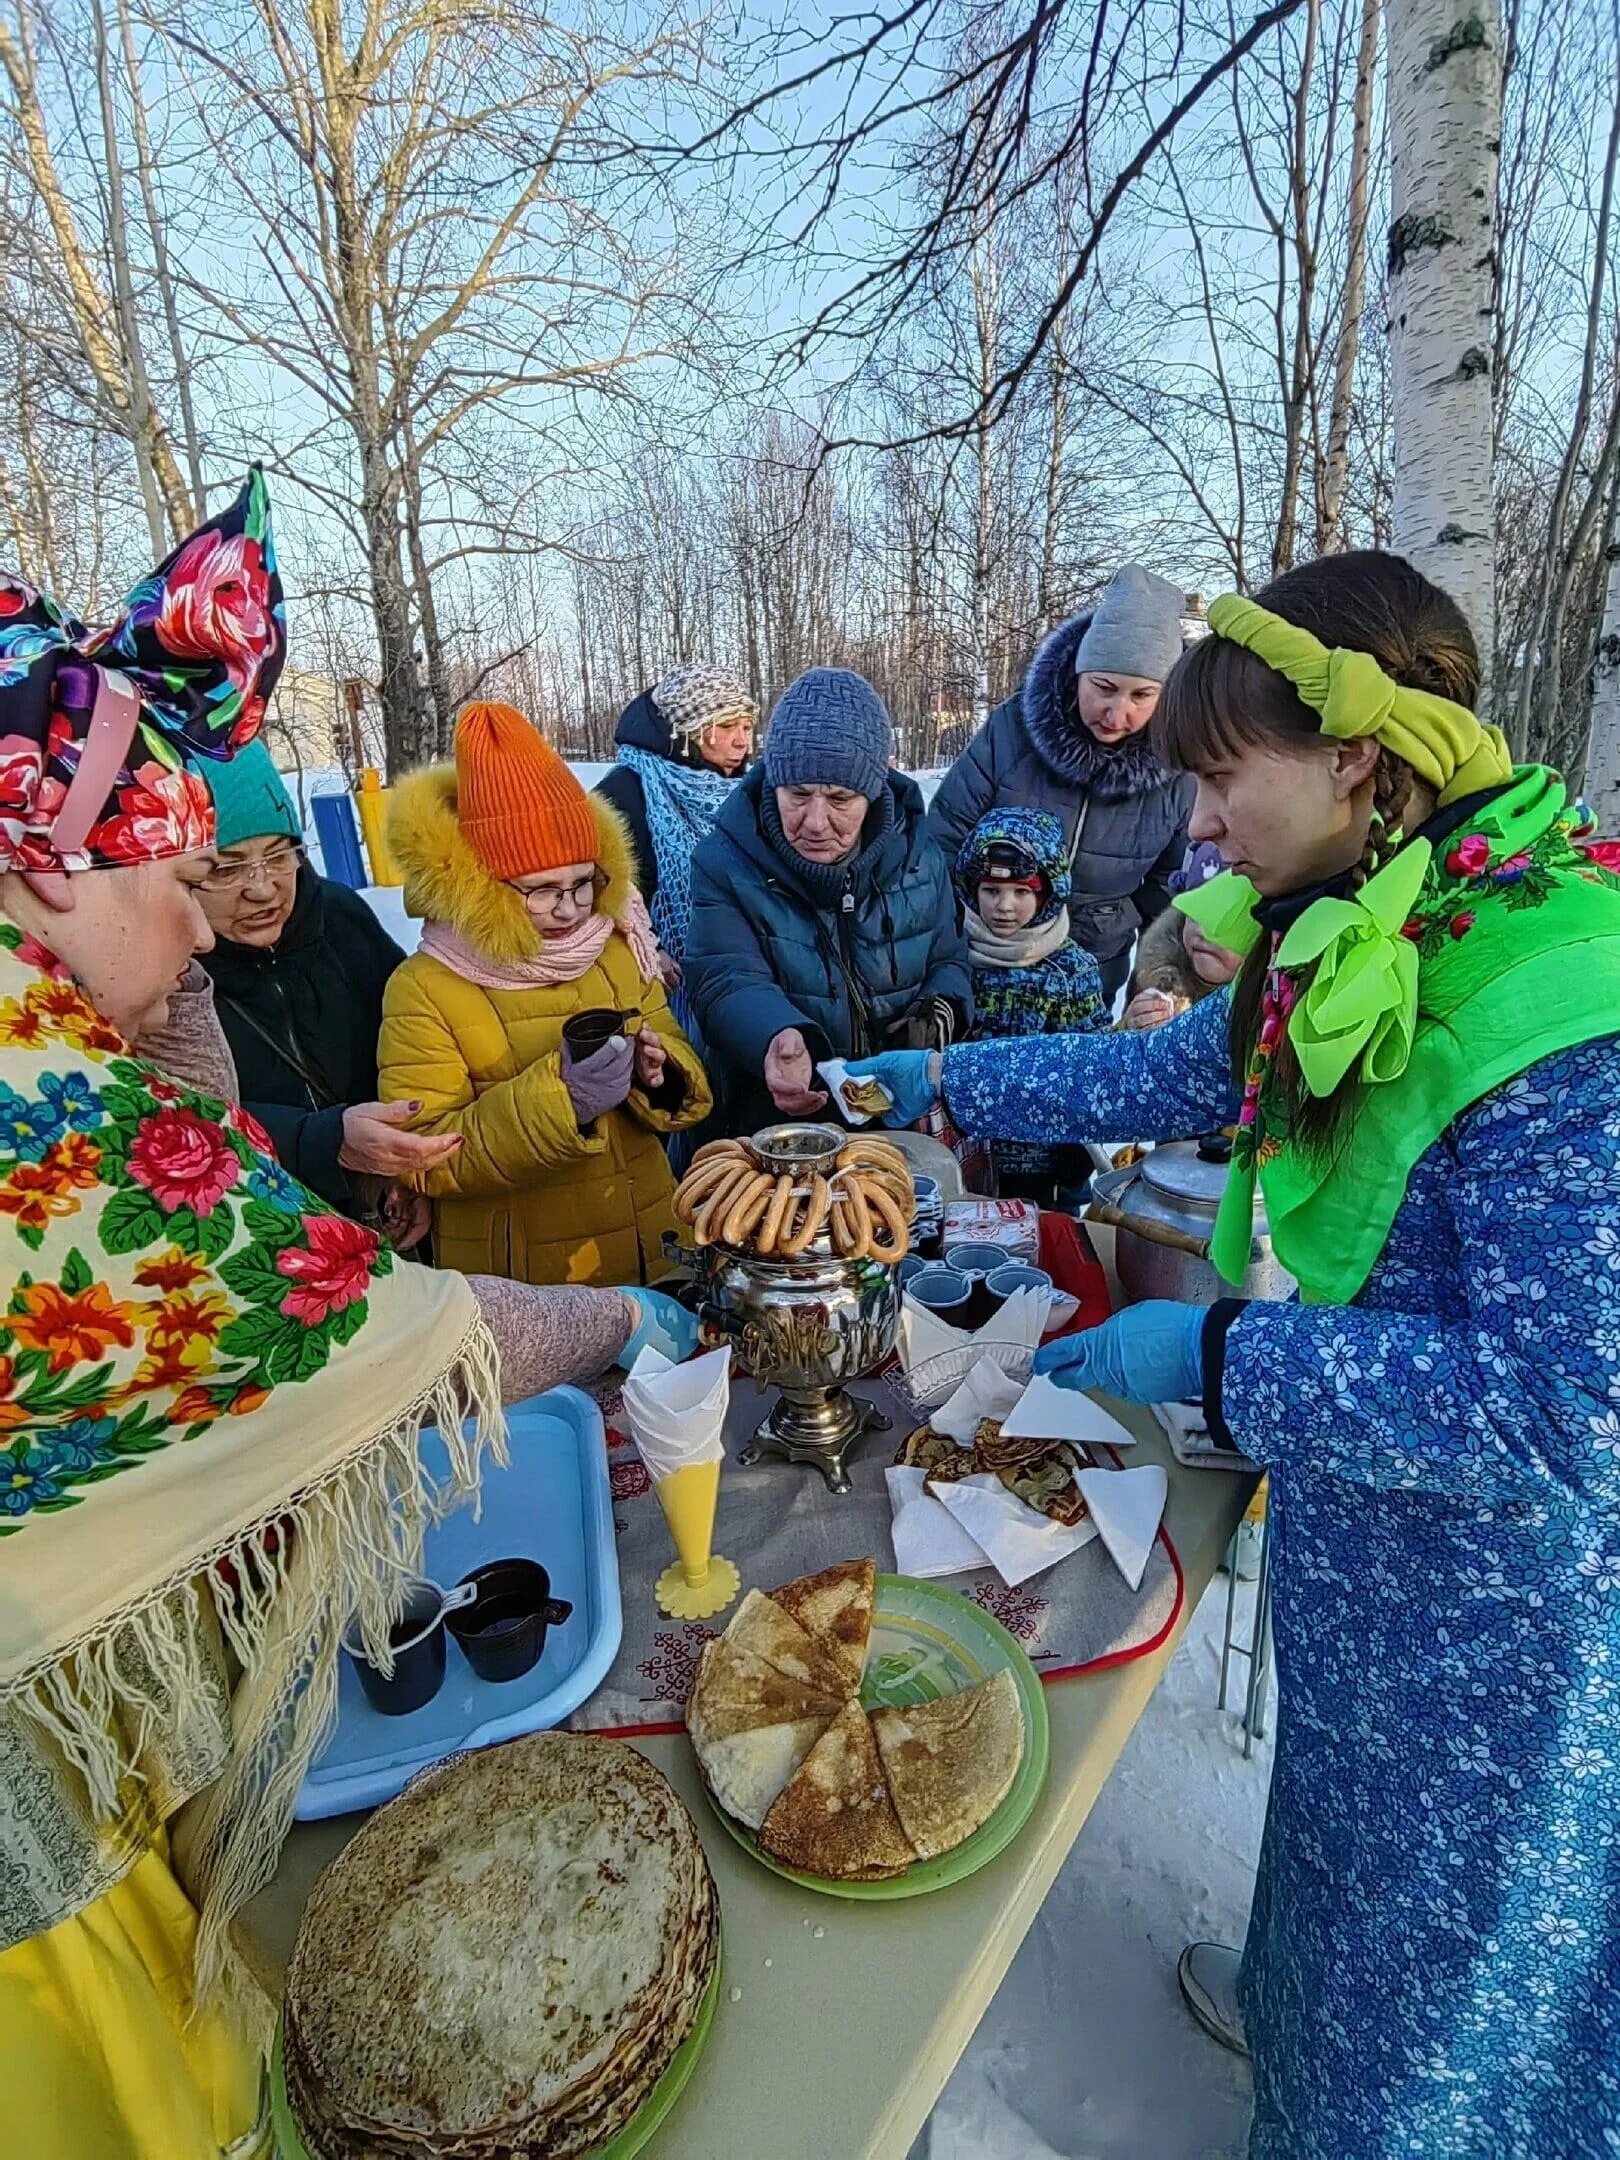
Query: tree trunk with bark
{"points": [[1444, 102], [1603, 759], [1336, 470]]}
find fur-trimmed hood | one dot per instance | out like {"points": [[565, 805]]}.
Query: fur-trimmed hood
{"points": [[1049, 704], [445, 881]]}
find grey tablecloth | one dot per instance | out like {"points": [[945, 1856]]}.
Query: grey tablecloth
{"points": [[777, 1520]]}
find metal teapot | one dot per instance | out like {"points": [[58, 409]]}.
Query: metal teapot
{"points": [[1163, 1209]]}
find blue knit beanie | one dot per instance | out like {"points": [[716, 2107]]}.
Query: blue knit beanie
{"points": [[829, 729], [249, 799]]}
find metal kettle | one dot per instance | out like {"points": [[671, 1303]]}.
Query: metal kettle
{"points": [[1163, 1210]]}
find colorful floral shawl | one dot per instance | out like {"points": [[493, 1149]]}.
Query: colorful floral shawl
{"points": [[199, 1363]]}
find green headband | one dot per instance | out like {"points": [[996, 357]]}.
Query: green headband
{"points": [[1449, 748]]}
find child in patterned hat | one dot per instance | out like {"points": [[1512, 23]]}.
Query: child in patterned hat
{"points": [[1029, 975]]}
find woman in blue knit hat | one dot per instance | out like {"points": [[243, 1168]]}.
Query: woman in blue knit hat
{"points": [[298, 969], [823, 920]]}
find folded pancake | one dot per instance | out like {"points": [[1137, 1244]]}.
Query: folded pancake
{"points": [[746, 1772], [735, 1692], [766, 1630], [835, 1606], [835, 1818], [951, 1763], [751, 1727]]}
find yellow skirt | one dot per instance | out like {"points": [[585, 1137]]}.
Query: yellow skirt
{"points": [[97, 2060]]}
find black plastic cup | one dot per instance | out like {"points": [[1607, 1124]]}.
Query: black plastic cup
{"points": [[587, 1032], [503, 1631], [417, 1638], [942, 1291]]}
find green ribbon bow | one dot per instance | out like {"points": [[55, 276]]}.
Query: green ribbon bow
{"points": [[1223, 908], [1362, 1002]]}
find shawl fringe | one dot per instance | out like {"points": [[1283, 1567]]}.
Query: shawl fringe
{"points": [[344, 1546]]}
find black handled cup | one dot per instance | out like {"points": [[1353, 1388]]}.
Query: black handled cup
{"points": [[503, 1631], [587, 1032], [417, 1641]]}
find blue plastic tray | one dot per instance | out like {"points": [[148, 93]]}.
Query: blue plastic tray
{"points": [[552, 1504]]}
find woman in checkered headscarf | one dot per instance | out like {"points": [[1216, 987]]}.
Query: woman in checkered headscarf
{"points": [[681, 746]]}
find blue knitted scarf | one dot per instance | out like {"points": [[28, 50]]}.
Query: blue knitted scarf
{"points": [[683, 801]]}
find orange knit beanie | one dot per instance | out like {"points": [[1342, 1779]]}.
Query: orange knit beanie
{"points": [[520, 807]]}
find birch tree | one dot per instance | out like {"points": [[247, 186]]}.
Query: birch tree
{"points": [[1444, 101], [1603, 763]]}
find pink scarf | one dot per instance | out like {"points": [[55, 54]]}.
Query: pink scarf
{"points": [[559, 960]]}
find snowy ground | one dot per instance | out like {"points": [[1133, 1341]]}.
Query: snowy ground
{"points": [[1086, 2052]]}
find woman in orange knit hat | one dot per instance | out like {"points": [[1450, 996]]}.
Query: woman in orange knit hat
{"points": [[533, 921]]}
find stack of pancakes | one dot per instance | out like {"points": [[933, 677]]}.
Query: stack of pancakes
{"points": [[784, 1745], [503, 1962]]}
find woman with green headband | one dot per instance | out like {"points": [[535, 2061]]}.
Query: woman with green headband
{"points": [[1422, 1058]]}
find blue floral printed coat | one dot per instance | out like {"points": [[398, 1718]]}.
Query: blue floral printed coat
{"points": [[1433, 1962]]}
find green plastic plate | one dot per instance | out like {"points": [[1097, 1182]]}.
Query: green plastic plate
{"points": [[928, 1642], [631, 2139]]}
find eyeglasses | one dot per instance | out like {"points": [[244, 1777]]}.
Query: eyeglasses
{"points": [[543, 899], [277, 863]]}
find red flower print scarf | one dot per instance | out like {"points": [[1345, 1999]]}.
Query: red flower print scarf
{"points": [[193, 1349], [100, 730]]}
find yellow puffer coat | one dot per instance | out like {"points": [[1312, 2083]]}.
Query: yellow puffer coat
{"points": [[528, 1195]]}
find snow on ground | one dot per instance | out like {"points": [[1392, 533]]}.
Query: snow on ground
{"points": [[1086, 2052]]}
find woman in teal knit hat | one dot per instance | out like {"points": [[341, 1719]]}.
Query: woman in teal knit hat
{"points": [[298, 968]]}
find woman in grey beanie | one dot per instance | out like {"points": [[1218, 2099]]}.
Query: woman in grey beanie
{"points": [[1073, 740], [823, 919]]}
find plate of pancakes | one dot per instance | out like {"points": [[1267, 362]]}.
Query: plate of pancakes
{"points": [[520, 1955], [868, 1735]]}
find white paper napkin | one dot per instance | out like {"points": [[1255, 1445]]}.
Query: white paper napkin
{"points": [[676, 1412], [1046, 1411], [1017, 1540], [1127, 1507], [924, 1335], [928, 1541], [835, 1072], [987, 1392]]}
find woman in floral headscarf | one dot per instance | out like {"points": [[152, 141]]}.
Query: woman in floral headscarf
{"points": [[193, 1349]]}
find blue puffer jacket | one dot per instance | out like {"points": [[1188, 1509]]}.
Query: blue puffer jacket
{"points": [[1124, 814], [843, 952]]}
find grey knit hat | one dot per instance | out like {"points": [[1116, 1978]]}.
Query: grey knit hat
{"points": [[698, 695], [1136, 629], [829, 729]]}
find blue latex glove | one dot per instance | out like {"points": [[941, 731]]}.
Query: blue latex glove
{"points": [[665, 1324], [905, 1073], [1148, 1353]]}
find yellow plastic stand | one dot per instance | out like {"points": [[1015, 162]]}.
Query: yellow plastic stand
{"points": [[372, 804], [699, 1582]]}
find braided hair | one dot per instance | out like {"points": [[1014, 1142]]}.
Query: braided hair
{"points": [[1220, 700]]}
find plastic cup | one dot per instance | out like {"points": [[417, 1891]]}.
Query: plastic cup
{"points": [[942, 1291], [587, 1032], [1017, 1275], [417, 1641], [502, 1633], [976, 1260]]}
